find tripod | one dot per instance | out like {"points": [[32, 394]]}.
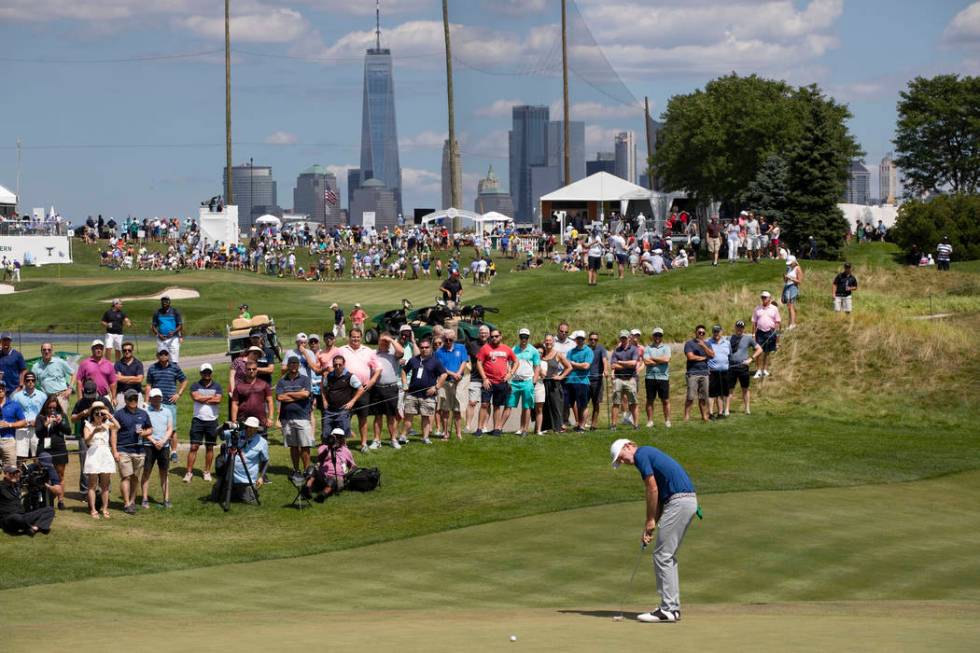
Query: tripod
{"points": [[230, 454]]}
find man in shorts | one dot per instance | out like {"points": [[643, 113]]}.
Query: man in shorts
{"points": [[114, 321], [523, 382], [697, 351], [206, 395], [577, 382], [496, 364], [714, 239], [744, 350], [718, 374], [362, 362], [384, 394], [295, 406], [454, 358], [127, 447], [423, 376], [626, 359], [766, 321], [598, 372], [156, 448], [475, 388], [844, 285], [656, 359], [752, 242]]}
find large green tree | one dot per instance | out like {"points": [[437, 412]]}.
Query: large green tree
{"points": [[938, 134], [768, 192], [817, 174]]}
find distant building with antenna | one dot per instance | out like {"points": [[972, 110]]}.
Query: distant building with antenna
{"points": [[489, 197]]}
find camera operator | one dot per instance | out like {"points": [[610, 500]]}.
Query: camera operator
{"points": [[334, 462], [255, 450], [13, 518]]}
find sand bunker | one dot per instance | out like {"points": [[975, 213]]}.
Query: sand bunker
{"points": [[6, 289], [172, 293]]}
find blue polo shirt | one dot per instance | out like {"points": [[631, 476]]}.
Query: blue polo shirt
{"points": [[11, 411], [256, 452], [670, 476], [423, 373], [12, 364], [129, 439], [294, 409], [166, 378], [453, 359], [160, 420], [722, 349], [579, 355]]}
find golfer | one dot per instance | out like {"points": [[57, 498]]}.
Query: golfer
{"points": [[671, 504]]}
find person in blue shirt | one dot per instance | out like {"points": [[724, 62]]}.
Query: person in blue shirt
{"points": [[11, 418], [577, 382], [718, 374], [671, 505], [168, 327], [454, 359], [12, 364], [256, 454]]}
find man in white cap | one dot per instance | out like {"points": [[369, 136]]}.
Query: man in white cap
{"points": [[99, 369], [295, 407], [522, 384], [656, 360], [766, 321], [256, 454], [626, 359], [206, 395], [671, 505], [339, 326], [580, 359], [157, 448], [302, 351], [114, 321]]}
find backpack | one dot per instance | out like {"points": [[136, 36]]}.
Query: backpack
{"points": [[363, 479]]}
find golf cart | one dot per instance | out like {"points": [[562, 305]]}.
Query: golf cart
{"points": [[467, 320], [239, 334]]}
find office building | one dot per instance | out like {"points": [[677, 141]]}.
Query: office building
{"points": [[888, 192], [603, 162], [255, 192], [528, 148], [556, 152], [447, 183], [379, 135], [373, 197], [626, 156], [354, 180], [858, 184], [489, 197], [317, 196]]}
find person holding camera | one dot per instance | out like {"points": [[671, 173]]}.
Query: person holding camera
{"points": [[52, 427], [157, 448], [98, 433], [133, 426], [255, 451], [13, 518], [334, 462], [293, 393]]}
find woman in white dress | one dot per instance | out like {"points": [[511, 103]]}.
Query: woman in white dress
{"points": [[99, 462]]}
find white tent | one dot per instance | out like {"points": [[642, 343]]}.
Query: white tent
{"points": [[270, 220], [449, 214], [600, 187], [7, 197], [855, 213]]}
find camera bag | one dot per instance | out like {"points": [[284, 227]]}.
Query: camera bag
{"points": [[363, 479]]}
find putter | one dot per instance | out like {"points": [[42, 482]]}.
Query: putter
{"points": [[629, 588]]}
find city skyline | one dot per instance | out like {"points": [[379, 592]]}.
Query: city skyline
{"points": [[119, 106]]}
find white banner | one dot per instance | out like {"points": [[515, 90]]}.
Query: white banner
{"points": [[367, 219], [39, 250]]}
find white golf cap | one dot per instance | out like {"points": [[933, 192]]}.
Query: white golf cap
{"points": [[658, 331], [253, 422], [98, 343], [405, 327], [635, 332], [116, 302], [300, 337], [616, 448], [790, 260], [254, 348], [624, 334], [357, 305], [744, 213], [524, 332], [765, 294], [156, 392], [578, 334], [206, 367], [338, 431]]}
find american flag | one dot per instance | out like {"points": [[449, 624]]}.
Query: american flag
{"points": [[330, 197]]}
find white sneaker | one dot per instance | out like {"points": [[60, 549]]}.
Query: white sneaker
{"points": [[395, 445], [766, 373], [437, 434], [649, 423], [727, 413], [207, 476], [426, 441], [541, 432], [667, 423], [658, 616], [519, 434], [748, 412], [364, 448], [757, 375], [376, 444], [792, 326], [188, 476]]}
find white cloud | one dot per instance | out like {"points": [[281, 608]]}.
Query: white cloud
{"points": [[281, 138], [600, 139], [89, 10], [418, 180], [495, 145], [499, 109], [365, 7], [340, 171], [262, 25], [424, 140], [964, 29]]}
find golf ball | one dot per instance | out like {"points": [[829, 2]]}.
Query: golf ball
{"points": [[513, 638]]}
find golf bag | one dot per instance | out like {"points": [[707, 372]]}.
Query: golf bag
{"points": [[363, 479]]}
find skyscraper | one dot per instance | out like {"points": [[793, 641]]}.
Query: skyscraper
{"points": [[354, 179], [528, 147], [858, 184], [373, 197], [447, 183], [317, 195], [626, 156], [887, 181], [556, 151], [255, 192], [603, 162], [489, 197], [379, 135]]}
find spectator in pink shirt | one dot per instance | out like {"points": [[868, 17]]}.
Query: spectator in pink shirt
{"points": [[98, 368], [334, 462], [362, 362], [766, 320]]}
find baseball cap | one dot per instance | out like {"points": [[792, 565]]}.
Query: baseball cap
{"points": [[165, 298], [449, 334], [624, 334], [300, 337], [616, 449], [206, 367], [314, 337], [6, 336], [524, 332], [740, 324], [155, 392], [334, 305], [292, 359], [658, 331], [98, 343], [357, 305], [578, 334], [255, 332], [89, 390], [10, 469], [790, 259], [116, 302], [847, 264], [253, 422], [134, 394], [765, 294], [716, 328], [635, 332], [338, 431], [254, 348], [405, 327]]}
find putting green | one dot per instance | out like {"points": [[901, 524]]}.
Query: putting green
{"points": [[863, 568]]}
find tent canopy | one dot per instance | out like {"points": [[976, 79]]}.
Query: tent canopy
{"points": [[269, 219], [601, 186], [449, 214], [493, 216], [6, 197]]}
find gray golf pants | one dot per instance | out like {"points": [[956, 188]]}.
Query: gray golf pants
{"points": [[674, 520]]}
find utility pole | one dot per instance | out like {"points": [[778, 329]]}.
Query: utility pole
{"points": [[646, 115], [455, 174], [19, 145], [229, 191], [566, 129]]}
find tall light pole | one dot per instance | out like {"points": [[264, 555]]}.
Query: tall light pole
{"points": [[455, 175], [566, 129], [646, 120], [19, 145], [229, 194]]}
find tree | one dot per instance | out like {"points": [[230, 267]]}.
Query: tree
{"points": [[937, 138], [923, 223], [817, 176], [767, 192]]}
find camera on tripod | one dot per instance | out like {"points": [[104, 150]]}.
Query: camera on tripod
{"points": [[234, 435], [34, 486]]}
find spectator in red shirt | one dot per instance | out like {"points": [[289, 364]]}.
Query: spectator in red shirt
{"points": [[252, 397], [496, 364], [357, 317]]}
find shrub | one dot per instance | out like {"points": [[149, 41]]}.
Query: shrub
{"points": [[925, 222]]}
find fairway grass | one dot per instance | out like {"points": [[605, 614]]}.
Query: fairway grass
{"points": [[872, 568]]}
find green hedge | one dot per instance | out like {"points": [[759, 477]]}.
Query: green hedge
{"points": [[925, 222]]}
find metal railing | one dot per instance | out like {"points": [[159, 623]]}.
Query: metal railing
{"points": [[33, 228]]}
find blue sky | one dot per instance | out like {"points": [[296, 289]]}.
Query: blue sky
{"points": [[106, 134]]}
